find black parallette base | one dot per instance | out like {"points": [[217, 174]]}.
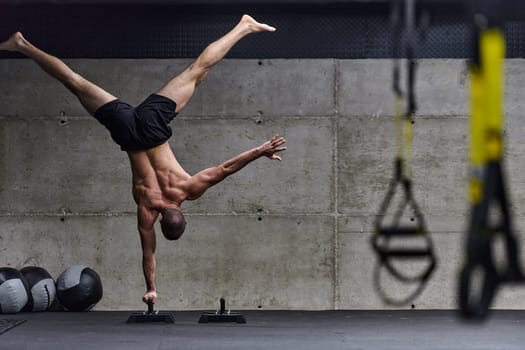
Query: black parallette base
{"points": [[141, 317], [233, 317]]}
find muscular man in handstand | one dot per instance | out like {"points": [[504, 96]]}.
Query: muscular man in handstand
{"points": [[160, 184]]}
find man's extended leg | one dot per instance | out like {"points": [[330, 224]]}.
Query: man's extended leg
{"points": [[181, 88], [91, 96]]}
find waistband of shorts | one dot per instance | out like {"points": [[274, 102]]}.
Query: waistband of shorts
{"points": [[104, 106], [167, 99]]}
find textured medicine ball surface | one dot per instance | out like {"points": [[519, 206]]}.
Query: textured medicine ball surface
{"points": [[79, 288], [42, 288], [13, 291]]}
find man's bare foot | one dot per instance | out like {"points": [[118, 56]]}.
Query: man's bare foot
{"points": [[13, 43], [255, 26]]}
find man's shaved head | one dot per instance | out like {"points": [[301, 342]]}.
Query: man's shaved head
{"points": [[172, 223]]}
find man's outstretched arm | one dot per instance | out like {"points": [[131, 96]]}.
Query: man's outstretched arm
{"points": [[206, 178], [146, 219]]}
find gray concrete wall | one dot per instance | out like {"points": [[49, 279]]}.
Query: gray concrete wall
{"points": [[290, 235]]}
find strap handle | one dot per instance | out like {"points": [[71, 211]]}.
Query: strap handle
{"points": [[383, 233], [387, 256], [475, 304]]}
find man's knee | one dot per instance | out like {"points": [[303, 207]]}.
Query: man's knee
{"points": [[75, 83], [199, 70]]}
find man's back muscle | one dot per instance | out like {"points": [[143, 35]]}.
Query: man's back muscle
{"points": [[158, 178]]}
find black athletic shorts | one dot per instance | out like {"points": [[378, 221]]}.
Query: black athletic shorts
{"points": [[139, 128]]}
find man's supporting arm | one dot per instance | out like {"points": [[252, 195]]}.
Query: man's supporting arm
{"points": [[146, 219], [206, 178]]}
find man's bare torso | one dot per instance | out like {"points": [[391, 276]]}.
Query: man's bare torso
{"points": [[159, 180]]}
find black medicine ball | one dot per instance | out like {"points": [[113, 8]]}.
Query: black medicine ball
{"points": [[79, 288], [13, 291], [41, 290]]}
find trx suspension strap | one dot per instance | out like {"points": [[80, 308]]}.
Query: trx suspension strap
{"points": [[385, 233], [490, 215]]}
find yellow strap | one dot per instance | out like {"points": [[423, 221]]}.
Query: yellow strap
{"points": [[403, 136], [486, 121], [477, 121], [477, 127], [492, 56], [399, 125]]}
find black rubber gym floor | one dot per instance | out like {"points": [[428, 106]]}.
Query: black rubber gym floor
{"points": [[403, 330]]}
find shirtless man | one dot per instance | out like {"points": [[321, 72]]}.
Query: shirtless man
{"points": [[160, 184]]}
